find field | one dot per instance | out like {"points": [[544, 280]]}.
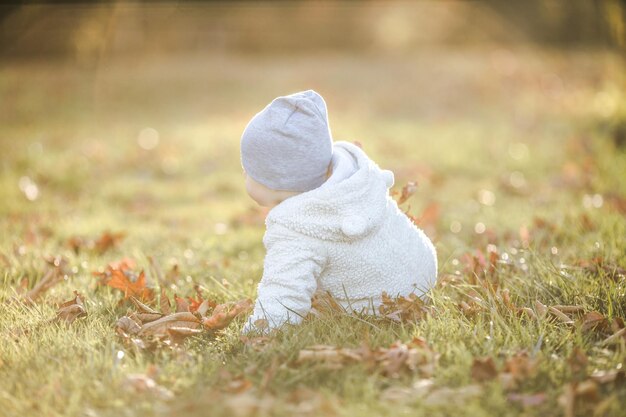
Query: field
{"points": [[519, 157]]}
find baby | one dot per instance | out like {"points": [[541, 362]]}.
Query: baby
{"points": [[333, 226]]}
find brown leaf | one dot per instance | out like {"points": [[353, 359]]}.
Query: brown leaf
{"points": [[137, 288], [559, 315], [107, 241], [51, 278], [158, 328], [142, 307], [403, 309], [164, 302], [617, 337], [223, 314], [178, 334], [587, 390], [127, 325], [521, 366], [182, 305], [323, 303], [484, 369], [146, 317], [407, 191], [612, 375], [569, 309], [72, 309], [143, 384], [541, 309], [430, 215], [593, 321], [415, 356]]}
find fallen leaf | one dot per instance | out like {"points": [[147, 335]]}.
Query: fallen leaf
{"points": [[593, 321], [182, 305], [158, 328], [100, 245], [569, 309], [178, 334], [407, 191], [403, 309], [541, 309], [127, 325], [107, 241], [430, 215], [612, 375], [223, 314], [484, 369], [51, 278], [587, 390], [137, 288], [72, 309], [164, 303], [617, 337], [559, 315], [143, 384]]}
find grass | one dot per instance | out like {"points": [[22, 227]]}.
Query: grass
{"points": [[517, 144]]}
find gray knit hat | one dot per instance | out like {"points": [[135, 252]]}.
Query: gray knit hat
{"points": [[288, 144]]}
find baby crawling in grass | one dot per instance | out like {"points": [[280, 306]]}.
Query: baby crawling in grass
{"points": [[332, 226]]}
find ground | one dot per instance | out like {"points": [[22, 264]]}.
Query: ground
{"points": [[519, 159]]}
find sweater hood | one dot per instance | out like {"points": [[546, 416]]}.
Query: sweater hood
{"points": [[348, 206]]}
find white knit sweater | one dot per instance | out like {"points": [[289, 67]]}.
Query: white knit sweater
{"points": [[347, 237]]}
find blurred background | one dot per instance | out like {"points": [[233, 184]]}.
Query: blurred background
{"points": [[127, 115]]}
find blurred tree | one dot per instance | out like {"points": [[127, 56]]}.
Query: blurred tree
{"points": [[569, 22]]}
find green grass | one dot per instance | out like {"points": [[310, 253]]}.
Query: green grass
{"points": [[539, 137]]}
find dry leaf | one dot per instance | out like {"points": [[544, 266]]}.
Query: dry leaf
{"points": [[559, 315], [126, 325], [617, 337], [143, 384], [107, 241], [612, 375], [49, 280], [587, 390], [164, 303], [131, 289], [403, 309], [223, 314], [407, 191], [569, 309], [158, 328], [72, 309], [541, 309], [182, 305], [484, 369], [178, 334], [593, 321]]}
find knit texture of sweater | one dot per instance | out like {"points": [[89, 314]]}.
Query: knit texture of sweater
{"points": [[348, 238]]}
